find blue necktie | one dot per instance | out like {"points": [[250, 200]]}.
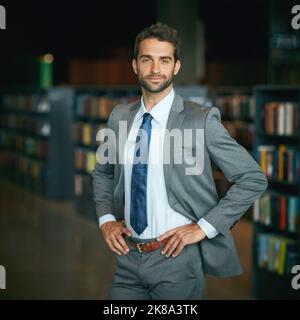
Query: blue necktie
{"points": [[138, 203]]}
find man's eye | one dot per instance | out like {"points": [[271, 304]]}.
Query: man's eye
{"points": [[145, 60], [165, 61]]}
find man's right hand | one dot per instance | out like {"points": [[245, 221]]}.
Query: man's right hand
{"points": [[113, 235]]}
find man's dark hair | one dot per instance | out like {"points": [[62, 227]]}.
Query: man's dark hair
{"points": [[161, 32]]}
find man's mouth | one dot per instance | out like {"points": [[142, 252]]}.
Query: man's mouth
{"points": [[155, 79]]}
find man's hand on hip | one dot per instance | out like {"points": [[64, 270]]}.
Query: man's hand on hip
{"points": [[181, 236], [113, 235]]}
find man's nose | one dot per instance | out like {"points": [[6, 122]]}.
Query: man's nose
{"points": [[155, 67]]}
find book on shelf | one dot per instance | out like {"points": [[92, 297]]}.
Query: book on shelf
{"points": [[280, 118], [276, 253], [82, 186], [236, 107], [279, 163], [28, 125], [85, 160], [37, 103], [86, 133], [278, 211], [98, 106], [32, 168], [78, 185], [25, 145]]}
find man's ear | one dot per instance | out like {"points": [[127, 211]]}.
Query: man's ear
{"points": [[134, 66], [177, 67]]}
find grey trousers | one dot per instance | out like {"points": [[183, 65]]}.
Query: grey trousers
{"points": [[153, 276]]}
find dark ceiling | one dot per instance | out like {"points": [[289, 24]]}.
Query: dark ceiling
{"points": [[234, 29]]}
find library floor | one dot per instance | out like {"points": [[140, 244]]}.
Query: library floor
{"points": [[50, 252]]}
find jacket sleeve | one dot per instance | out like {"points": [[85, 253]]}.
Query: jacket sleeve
{"points": [[249, 182], [103, 177]]}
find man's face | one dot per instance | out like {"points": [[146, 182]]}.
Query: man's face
{"points": [[155, 66]]}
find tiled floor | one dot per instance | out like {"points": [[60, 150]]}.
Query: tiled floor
{"points": [[50, 252]]}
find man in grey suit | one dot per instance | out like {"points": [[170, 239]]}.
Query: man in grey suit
{"points": [[163, 219]]}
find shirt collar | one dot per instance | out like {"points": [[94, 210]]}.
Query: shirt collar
{"points": [[160, 110]]}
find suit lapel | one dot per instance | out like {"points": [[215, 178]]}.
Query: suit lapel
{"points": [[175, 120]]}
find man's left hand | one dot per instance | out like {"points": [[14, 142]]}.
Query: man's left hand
{"points": [[181, 236]]}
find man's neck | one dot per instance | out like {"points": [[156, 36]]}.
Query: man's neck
{"points": [[151, 99]]}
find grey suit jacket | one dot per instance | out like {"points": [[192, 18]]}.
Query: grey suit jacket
{"points": [[194, 196]]}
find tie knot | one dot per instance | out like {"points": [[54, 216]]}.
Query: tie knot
{"points": [[147, 117]]}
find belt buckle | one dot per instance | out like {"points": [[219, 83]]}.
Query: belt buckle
{"points": [[138, 246]]}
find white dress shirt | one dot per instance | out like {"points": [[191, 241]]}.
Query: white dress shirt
{"points": [[160, 216]]}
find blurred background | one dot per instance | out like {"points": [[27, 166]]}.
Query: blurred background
{"points": [[64, 66]]}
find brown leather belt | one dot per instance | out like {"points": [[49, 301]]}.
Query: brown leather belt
{"points": [[148, 246]]}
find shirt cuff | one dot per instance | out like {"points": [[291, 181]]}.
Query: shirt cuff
{"points": [[106, 218], [207, 228]]}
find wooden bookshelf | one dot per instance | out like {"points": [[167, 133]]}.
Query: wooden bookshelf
{"points": [[276, 235], [35, 139]]}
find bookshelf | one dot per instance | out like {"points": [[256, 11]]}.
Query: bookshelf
{"points": [[237, 108], [92, 107], [35, 139], [276, 225]]}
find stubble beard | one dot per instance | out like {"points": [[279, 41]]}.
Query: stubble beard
{"points": [[150, 88]]}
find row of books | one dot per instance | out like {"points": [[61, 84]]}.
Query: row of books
{"points": [[281, 118], [98, 107], [278, 211], [242, 132], [25, 145], [276, 253], [284, 41], [33, 168], [86, 133], [37, 103], [236, 107], [85, 160], [279, 163], [26, 124]]}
